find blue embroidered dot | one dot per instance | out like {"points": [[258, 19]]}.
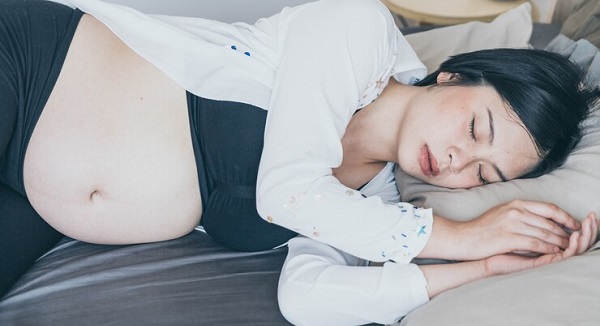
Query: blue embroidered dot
{"points": [[404, 235], [233, 47], [247, 53], [405, 246], [422, 231]]}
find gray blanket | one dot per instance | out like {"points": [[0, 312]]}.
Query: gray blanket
{"points": [[187, 281]]}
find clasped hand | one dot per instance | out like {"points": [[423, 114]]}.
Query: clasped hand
{"points": [[510, 237], [539, 232], [527, 227]]}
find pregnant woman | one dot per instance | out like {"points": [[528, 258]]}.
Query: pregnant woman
{"points": [[117, 128]]}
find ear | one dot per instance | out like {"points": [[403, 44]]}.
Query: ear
{"points": [[444, 77]]}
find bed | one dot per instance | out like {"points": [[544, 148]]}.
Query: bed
{"points": [[194, 281]]}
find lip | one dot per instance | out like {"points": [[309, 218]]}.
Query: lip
{"points": [[427, 162]]}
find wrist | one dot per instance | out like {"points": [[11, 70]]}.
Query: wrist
{"points": [[447, 276], [486, 267], [445, 240]]}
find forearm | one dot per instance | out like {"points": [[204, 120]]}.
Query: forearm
{"points": [[443, 277], [444, 241]]}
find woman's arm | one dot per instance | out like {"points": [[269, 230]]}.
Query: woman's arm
{"points": [[443, 277], [320, 285], [512, 227]]}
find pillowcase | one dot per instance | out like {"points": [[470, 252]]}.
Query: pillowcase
{"points": [[575, 187], [564, 293], [509, 30]]}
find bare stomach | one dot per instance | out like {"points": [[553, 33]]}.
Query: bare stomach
{"points": [[111, 159]]}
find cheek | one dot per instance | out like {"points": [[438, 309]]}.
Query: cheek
{"points": [[447, 129]]}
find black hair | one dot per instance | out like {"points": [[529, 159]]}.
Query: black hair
{"points": [[545, 90]]}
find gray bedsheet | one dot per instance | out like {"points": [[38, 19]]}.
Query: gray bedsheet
{"points": [[188, 281]]}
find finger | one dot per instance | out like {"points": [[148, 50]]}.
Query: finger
{"points": [[570, 251], [593, 231], [532, 225], [526, 243], [543, 223], [595, 228], [572, 248], [552, 212], [546, 224], [542, 234], [586, 234]]}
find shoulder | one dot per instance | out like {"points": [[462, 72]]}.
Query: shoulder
{"points": [[371, 8], [349, 13], [361, 13], [366, 24], [364, 7], [365, 27], [369, 24]]}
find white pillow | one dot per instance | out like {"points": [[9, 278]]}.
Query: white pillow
{"points": [[575, 186], [565, 293], [509, 30]]}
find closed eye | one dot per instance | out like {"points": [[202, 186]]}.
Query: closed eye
{"points": [[472, 129]]}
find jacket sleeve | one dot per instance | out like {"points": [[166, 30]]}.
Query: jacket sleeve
{"points": [[334, 54], [320, 285]]}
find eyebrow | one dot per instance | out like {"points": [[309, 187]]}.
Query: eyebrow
{"points": [[491, 141], [491, 121]]}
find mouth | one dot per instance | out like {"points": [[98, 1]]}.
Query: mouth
{"points": [[427, 162]]}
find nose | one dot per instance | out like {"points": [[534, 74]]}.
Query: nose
{"points": [[459, 158]]}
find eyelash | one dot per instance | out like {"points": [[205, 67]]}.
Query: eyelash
{"points": [[472, 133], [472, 129]]}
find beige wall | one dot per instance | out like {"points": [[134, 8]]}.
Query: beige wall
{"points": [[543, 10]]}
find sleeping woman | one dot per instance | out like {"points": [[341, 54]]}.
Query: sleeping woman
{"points": [[118, 127]]}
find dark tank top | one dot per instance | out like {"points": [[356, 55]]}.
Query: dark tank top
{"points": [[228, 142], [34, 40]]}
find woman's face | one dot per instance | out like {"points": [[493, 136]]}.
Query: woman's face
{"points": [[462, 137]]}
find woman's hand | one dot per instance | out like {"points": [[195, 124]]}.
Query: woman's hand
{"points": [[446, 276], [579, 242], [517, 226]]}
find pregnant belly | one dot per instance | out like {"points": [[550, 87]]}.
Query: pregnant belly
{"points": [[129, 190], [111, 160]]}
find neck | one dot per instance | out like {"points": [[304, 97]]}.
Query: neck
{"points": [[371, 138], [372, 135]]}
